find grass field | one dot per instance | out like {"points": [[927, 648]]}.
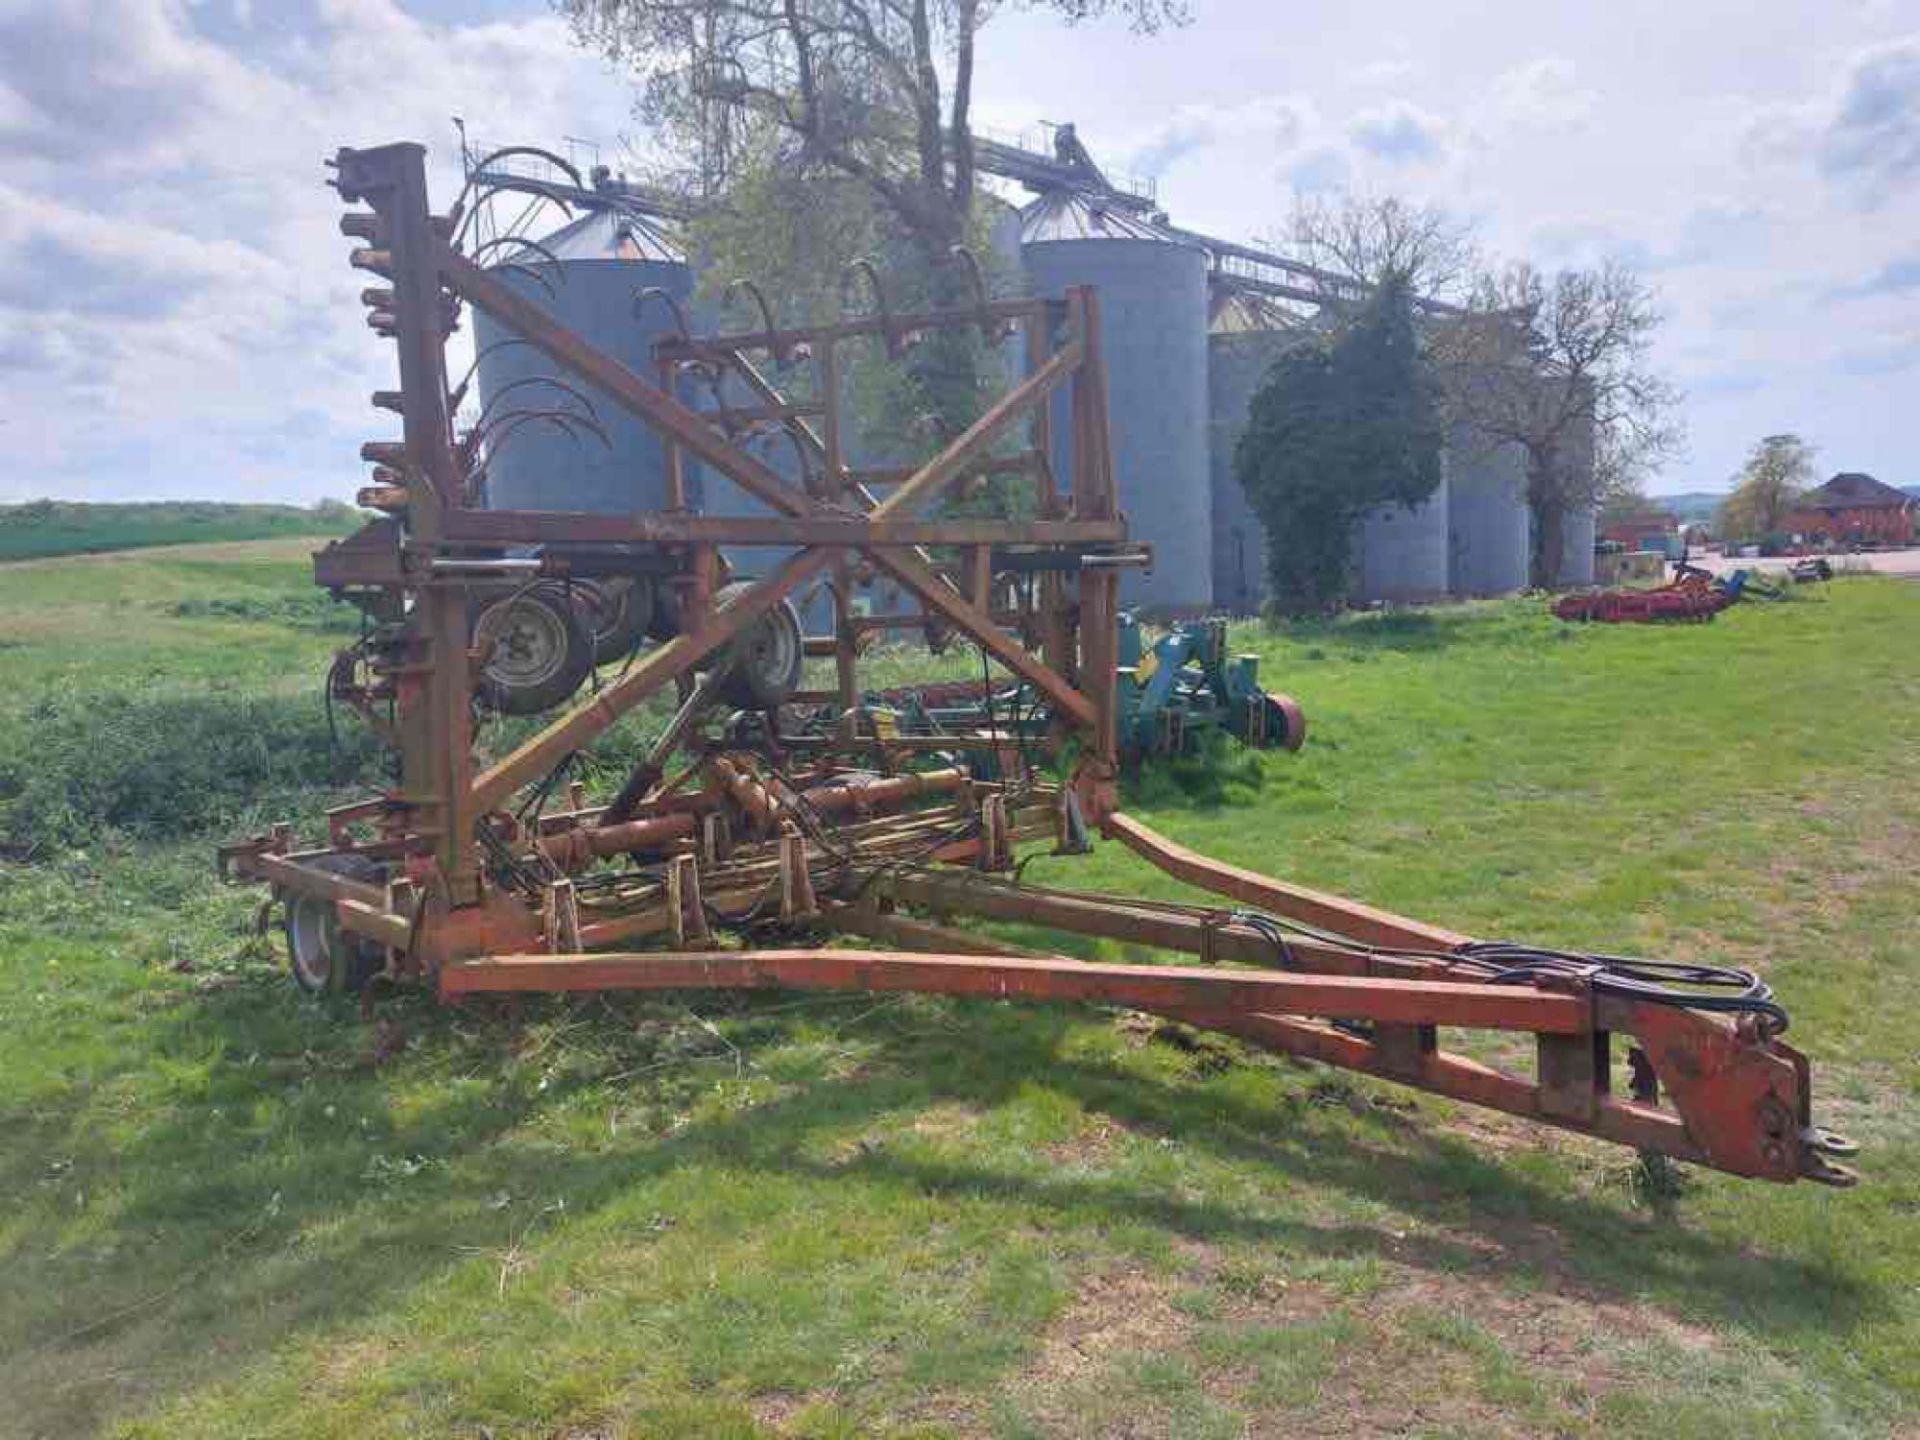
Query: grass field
{"points": [[228, 1212], [43, 528]]}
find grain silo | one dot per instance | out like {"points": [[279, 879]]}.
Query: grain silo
{"points": [[1236, 365], [1577, 536], [591, 277], [1579, 527], [1488, 536], [1400, 551], [1153, 309], [1247, 334]]}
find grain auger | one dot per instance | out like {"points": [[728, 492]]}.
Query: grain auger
{"points": [[773, 834]]}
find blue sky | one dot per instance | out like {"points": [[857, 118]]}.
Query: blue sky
{"points": [[176, 318]]}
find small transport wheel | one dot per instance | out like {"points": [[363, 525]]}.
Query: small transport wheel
{"points": [[763, 663], [325, 959], [538, 651], [617, 611]]}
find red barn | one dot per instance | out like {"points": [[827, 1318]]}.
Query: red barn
{"points": [[1644, 530], [1855, 509]]}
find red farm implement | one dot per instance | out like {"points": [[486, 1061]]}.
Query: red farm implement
{"points": [[764, 807], [1693, 595]]}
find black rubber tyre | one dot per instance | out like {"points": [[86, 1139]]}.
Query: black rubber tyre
{"points": [[763, 664], [324, 959], [538, 651], [617, 612]]}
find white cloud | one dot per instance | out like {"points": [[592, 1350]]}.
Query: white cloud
{"points": [[63, 259], [1398, 133], [1273, 123], [1873, 136], [176, 313], [1324, 167], [1543, 93], [1384, 72], [1862, 134]]}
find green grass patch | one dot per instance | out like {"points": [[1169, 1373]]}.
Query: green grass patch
{"points": [[163, 764], [228, 1212], [303, 610]]}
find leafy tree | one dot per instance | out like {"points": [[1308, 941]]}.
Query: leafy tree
{"points": [[795, 236], [1626, 500], [1341, 426], [1561, 367], [879, 92], [1777, 473], [874, 94]]}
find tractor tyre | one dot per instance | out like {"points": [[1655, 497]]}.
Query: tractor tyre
{"points": [[617, 611], [324, 959], [537, 651], [763, 662]]}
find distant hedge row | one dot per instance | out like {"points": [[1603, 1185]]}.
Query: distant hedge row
{"points": [[60, 527]]}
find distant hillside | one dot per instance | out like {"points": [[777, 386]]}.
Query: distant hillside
{"points": [[59, 527], [1701, 504], [1691, 504]]}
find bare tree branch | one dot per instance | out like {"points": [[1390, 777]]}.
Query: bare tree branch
{"points": [[877, 90], [1560, 368], [1378, 240]]}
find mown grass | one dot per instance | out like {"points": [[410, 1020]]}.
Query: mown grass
{"points": [[43, 528], [224, 1211]]}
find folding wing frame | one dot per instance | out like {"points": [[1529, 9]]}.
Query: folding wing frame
{"points": [[843, 827]]}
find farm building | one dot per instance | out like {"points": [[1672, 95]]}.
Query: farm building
{"points": [[1642, 530], [1853, 508]]}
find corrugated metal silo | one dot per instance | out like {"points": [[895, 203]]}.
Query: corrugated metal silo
{"points": [[1400, 551], [601, 262], [1579, 527], [1578, 532], [1238, 358], [1487, 517], [1153, 307]]}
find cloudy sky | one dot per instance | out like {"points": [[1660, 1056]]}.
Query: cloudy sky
{"points": [[176, 318]]}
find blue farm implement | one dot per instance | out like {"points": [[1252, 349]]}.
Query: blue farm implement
{"points": [[1170, 696], [1184, 687]]}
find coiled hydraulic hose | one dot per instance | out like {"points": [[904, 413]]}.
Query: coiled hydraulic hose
{"points": [[1716, 989]]}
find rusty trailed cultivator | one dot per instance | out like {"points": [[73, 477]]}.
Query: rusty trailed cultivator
{"points": [[763, 808]]}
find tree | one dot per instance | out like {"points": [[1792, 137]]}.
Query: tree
{"points": [[1371, 240], [794, 236], [1779, 470], [1340, 427], [877, 91], [875, 95], [1625, 501], [1560, 366]]}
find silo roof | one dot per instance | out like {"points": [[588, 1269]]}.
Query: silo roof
{"points": [[1245, 312], [614, 234], [1077, 215]]}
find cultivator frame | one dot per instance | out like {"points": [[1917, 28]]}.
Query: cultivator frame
{"points": [[854, 830]]}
